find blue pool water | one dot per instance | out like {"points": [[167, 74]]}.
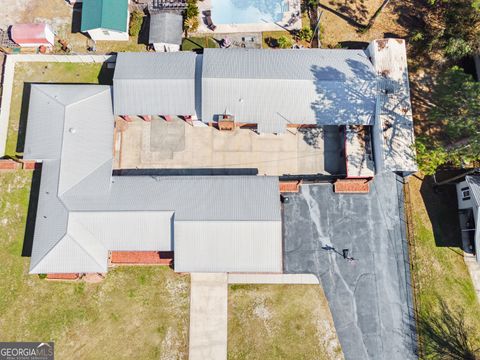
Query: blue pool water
{"points": [[247, 11]]}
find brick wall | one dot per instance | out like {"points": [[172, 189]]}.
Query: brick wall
{"points": [[141, 257], [63, 276], [7, 164]]}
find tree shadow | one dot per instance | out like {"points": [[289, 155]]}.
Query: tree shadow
{"points": [[32, 212], [349, 19], [445, 335], [442, 210]]}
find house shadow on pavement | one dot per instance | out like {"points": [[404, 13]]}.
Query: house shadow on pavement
{"points": [[32, 213], [442, 209]]}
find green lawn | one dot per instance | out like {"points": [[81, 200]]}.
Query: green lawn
{"points": [[135, 313], [26, 73], [447, 303], [270, 38], [280, 322], [198, 43]]}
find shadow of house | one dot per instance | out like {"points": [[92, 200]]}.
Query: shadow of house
{"points": [[354, 44], [22, 126], [76, 18], [144, 33], [31, 213], [442, 210], [105, 76]]}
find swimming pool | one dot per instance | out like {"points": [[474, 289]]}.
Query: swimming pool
{"points": [[248, 11]]}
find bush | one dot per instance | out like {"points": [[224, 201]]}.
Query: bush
{"points": [[136, 21], [305, 34], [457, 49], [417, 36], [42, 276], [284, 42]]}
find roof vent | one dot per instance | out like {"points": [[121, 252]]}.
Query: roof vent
{"points": [[72, 130]]}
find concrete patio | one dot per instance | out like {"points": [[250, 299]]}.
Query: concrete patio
{"points": [[177, 145]]}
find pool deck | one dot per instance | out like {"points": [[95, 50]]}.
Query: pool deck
{"points": [[293, 5]]}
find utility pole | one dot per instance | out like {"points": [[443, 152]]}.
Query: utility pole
{"points": [[317, 27]]}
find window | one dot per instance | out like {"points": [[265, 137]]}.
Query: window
{"points": [[465, 194]]}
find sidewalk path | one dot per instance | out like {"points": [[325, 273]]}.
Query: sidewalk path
{"points": [[208, 316]]}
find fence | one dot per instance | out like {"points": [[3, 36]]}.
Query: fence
{"points": [[8, 75], [413, 260]]}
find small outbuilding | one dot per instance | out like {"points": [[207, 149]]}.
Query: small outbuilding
{"points": [[105, 19], [32, 35], [166, 31]]}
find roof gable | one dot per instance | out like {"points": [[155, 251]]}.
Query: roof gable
{"points": [[104, 14]]}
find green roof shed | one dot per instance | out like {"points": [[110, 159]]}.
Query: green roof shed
{"points": [[104, 14]]}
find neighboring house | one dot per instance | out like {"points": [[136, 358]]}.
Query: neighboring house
{"points": [[468, 195], [32, 35], [105, 19], [211, 223], [166, 31]]}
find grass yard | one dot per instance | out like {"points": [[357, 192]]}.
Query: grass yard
{"points": [[136, 312], [447, 302], [280, 322], [198, 43], [26, 73]]}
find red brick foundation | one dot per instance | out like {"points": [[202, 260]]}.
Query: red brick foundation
{"points": [[141, 257], [357, 186], [63, 276], [7, 164], [290, 186], [29, 165]]}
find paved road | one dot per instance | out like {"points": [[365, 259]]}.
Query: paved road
{"points": [[369, 297], [208, 316]]}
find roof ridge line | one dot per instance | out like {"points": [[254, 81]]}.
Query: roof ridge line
{"points": [[54, 245], [83, 248], [65, 193]]}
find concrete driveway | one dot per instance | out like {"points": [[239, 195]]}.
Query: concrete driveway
{"points": [[208, 316], [369, 297]]}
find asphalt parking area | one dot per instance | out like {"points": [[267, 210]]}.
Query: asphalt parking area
{"points": [[369, 296]]}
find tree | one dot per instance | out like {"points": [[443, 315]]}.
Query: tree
{"points": [[192, 9], [284, 42], [457, 112]]}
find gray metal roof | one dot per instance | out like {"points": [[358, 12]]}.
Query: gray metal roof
{"points": [[83, 212], [198, 198], [166, 28], [315, 86], [154, 83], [251, 246]]}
